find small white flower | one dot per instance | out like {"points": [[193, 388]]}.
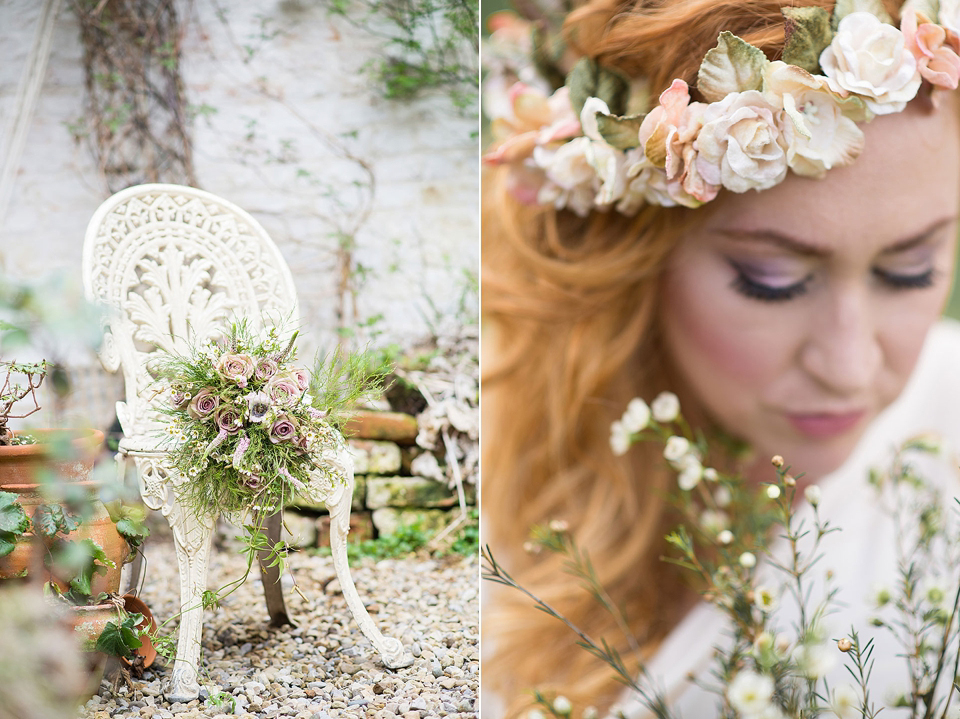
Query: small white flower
{"points": [[590, 713], [714, 521], [676, 448], [559, 525], [773, 491], [748, 560], [845, 702], [764, 599], [637, 416], [750, 693], [710, 474], [535, 714], [689, 477], [665, 407], [723, 497], [619, 438], [562, 705], [813, 495], [815, 660], [725, 537]]}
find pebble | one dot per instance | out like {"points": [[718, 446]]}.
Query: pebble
{"points": [[324, 668]]}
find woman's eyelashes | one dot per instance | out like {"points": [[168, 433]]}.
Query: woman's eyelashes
{"points": [[750, 285], [912, 281]]}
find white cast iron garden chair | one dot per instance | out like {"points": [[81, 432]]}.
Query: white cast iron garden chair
{"points": [[172, 265]]}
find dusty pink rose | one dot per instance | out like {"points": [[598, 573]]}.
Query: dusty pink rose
{"points": [[203, 404], [266, 368], [228, 418], [283, 430], [667, 135], [282, 389], [936, 49], [235, 368], [301, 377]]}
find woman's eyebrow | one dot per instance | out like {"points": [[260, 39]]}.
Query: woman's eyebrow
{"points": [[792, 244], [808, 249]]}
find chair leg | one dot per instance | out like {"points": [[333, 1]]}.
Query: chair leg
{"points": [[192, 538], [270, 576], [390, 649]]}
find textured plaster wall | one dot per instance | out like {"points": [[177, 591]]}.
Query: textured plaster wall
{"points": [[284, 99]]}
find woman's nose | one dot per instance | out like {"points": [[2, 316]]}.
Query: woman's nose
{"points": [[842, 351]]}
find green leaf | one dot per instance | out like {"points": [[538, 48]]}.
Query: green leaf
{"points": [[734, 65], [131, 530], [8, 541], [119, 640], [8, 498], [807, 33], [13, 519], [620, 132], [588, 79], [48, 519], [874, 7]]}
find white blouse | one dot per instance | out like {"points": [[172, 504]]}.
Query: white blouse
{"points": [[862, 555]]}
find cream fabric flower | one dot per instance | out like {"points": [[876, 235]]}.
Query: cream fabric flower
{"points": [[818, 135], [870, 58], [740, 145], [571, 180]]}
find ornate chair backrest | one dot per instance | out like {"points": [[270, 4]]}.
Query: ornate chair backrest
{"points": [[173, 265]]}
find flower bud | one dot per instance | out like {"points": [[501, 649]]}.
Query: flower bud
{"points": [[844, 645], [777, 461], [748, 560]]}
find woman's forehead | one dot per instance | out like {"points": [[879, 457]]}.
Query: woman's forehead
{"points": [[906, 180]]}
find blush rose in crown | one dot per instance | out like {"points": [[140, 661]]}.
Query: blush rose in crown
{"points": [[243, 424]]}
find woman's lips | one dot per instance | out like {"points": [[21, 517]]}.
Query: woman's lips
{"points": [[825, 425]]}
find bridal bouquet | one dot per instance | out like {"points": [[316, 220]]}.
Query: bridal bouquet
{"points": [[243, 423], [770, 668]]}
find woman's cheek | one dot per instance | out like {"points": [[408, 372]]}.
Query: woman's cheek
{"points": [[716, 335]]}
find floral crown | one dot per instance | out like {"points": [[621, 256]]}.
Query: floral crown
{"points": [[578, 149]]}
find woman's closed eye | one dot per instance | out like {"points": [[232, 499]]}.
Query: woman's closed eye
{"points": [[767, 288], [906, 280]]}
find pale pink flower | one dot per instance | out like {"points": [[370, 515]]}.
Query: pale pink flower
{"points": [[203, 404], [667, 135], [534, 120], [936, 50], [870, 58]]}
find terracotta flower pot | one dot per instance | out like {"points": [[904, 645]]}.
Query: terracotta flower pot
{"points": [[90, 621], [134, 605], [19, 468]]}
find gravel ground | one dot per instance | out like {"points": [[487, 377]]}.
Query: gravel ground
{"points": [[324, 667]]}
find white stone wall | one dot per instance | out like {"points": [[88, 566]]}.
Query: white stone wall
{"points": [[285, 112]]}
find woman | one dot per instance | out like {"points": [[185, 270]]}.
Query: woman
{"points": [[791, 319]]}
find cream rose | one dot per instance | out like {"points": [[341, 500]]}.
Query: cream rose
{"points": [[608, 162], [571, 180], [817, 134], [740, 145], [870, 58]]}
